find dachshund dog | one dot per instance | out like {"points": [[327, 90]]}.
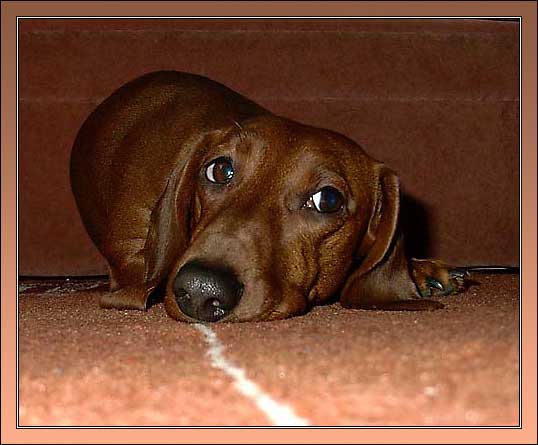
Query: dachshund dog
{"points": [[236, 214]]}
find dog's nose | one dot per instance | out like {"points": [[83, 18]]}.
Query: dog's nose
{"points": [[206, 293]]}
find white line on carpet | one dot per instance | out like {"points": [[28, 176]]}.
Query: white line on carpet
{"points": [[279, 414]]}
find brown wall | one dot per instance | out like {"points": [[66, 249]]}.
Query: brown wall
{"points": [[437, 100]]}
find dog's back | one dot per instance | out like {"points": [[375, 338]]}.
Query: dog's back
{"points": [[160, 111]]}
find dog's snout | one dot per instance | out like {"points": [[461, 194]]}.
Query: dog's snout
{"points": [[206, 293]]}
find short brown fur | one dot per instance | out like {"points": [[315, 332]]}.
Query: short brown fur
{"points": [[136, 175]]}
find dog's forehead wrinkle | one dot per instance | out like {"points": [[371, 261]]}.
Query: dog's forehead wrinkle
{"points": [[315, 174], [249, 140]]}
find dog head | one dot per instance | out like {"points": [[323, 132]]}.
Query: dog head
{"points": [[268, 217]]}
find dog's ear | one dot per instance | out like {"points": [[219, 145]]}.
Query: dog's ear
{"points": [[168, 230], [381, 277], [170, 225]]}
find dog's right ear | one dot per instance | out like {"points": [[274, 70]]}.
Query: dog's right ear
{"points": [[382, 278]]}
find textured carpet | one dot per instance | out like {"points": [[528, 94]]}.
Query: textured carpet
{"points": [[82, 365]]}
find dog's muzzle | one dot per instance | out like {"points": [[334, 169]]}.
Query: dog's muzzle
{"points": [[206, 293]]}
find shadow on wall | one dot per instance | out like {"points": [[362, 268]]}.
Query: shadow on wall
{"points": [[415, 221]]}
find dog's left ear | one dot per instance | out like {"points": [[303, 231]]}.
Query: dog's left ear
{"points": [[382, 278]]}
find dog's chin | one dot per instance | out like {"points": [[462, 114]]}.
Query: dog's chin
{"points": [[243, 315], [270, 314], [270, 310], [232, 318], [267, 314]]}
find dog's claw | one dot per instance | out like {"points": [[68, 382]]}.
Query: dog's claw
{"points": [[432, 282], [458, 273], [433, 278]]}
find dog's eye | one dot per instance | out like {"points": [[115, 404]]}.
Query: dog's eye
{"points": [[326, 200], [220, 171]]}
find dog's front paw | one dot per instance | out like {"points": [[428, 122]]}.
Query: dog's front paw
{"points": [[434, 278]]}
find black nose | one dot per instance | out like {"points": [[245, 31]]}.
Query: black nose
{"points": [[206, 293]]}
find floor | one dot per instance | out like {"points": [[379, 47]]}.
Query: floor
{"points": [[82, 365]]}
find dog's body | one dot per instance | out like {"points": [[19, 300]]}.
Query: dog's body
{"points": [[244, 215]]}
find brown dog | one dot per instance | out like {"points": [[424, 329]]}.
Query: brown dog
{"points": [[241, 214]]}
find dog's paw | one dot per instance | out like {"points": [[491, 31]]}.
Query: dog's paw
{"points": [[133, 297], [434, 278]]}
